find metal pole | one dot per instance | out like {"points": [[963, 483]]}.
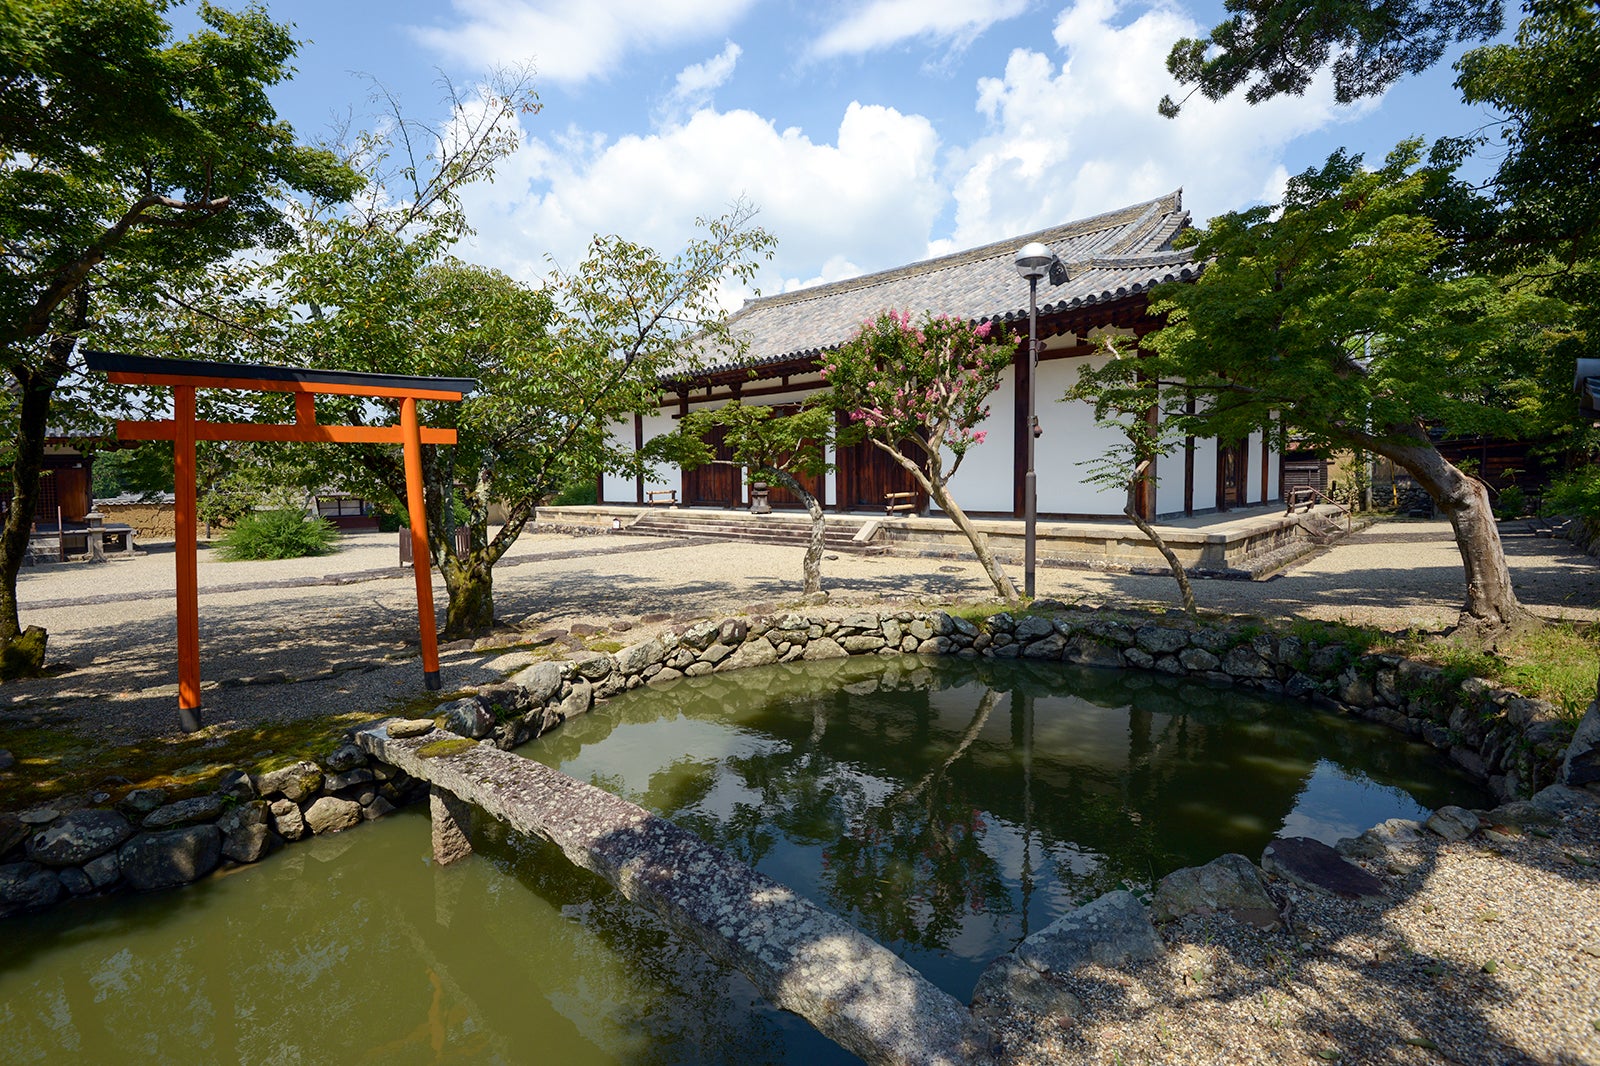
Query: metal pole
{"points": [[1030, 486], [421, 560]]}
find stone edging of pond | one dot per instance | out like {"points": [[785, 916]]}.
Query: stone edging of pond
{"points": [[1516, 744]]}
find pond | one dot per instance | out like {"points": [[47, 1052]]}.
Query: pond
{"points": [[947, 809]]}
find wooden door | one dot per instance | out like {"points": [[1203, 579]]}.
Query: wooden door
{"points": [[716, 484], [1233, 470], [867, 475]]}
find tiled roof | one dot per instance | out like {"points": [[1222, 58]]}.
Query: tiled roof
{"points": [[1108, 257]]}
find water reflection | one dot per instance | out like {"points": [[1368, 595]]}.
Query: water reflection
{"points": [[950, 809]]}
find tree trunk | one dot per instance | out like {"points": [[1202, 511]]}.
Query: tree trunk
{"points": [[22, 651], [812, 566], [469, 584], [1132, 511], [1491, 601], [934, 486]]}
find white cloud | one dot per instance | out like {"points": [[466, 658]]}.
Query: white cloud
{"points": [[870, 198], [572, 41], [694, 85], [885, 23], [1081, 135]]}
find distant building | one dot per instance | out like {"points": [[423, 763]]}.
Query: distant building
{"points": [[1113, 261]]}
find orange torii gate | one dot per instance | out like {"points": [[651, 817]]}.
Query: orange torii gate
{"points": [[184, 376]]}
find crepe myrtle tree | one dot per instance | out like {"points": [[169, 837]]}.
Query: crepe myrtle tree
{"points": [[918, 391], [770, 446]]}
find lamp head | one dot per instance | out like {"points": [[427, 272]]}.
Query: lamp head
{"points": [[1033, 260]]}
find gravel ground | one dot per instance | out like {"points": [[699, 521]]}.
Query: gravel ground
{"points": [[1400, 982]]}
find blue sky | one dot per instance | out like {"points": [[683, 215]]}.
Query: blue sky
{"points": [[869, 134]]}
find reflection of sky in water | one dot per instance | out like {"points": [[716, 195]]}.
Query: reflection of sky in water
{"points": [[1338, 803]]}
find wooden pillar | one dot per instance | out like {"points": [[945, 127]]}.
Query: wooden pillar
{"points": [[186, 554], [421, 558], [638, 446]]}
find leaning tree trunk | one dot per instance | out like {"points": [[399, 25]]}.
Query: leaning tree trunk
{"points": [[812, 566], [1491, 601], [980, 544], [469, 588], [1131, 509], [22, 650]]}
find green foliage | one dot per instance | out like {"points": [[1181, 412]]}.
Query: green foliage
{"points": [[1576, 493], [145, 469], [277, 534], [578, 494], [1547, 87], [1278, 47], [762, 440], [1511, 503]]}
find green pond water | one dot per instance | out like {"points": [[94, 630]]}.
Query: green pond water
{"points": [[946, 809]]}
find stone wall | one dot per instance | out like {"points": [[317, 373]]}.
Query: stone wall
{"points": [[1514, 743], [147, 519]]}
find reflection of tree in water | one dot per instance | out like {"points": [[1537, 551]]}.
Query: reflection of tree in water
{"points": [[914, 865]]}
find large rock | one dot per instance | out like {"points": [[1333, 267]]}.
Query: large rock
{"points": [[1032, 628], [292, 782], [75, 838], [287, 820], [184, 812], [1387, 836], [247, 843], [1228, 885], [1114, 930], [12, 832], [1581, 765], [170, 858], [1159, 640], [142, 801], [330, 814], [412, 727], [540, 681], [1049, 647], [634, 658], [27, 886], [1243, 661], [344, 758], [824, 648], [236, 784], [757, 652], [578, 701], [1453, 823], [593, 666], [467, 717], [1312, 864]]}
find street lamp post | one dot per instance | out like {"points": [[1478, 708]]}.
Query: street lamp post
{"points": [[1033, 262]]}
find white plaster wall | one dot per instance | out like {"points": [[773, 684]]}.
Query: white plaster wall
{"points": [[616, 488], [1070, 435], [1253, 491], [984, 481], [1205, 474], [666, 475]]}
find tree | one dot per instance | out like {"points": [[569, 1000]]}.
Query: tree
{"points": [[125, 158], [771, 447], [918, 392], [1278, 46], [1130, 465], [1346, 317]]}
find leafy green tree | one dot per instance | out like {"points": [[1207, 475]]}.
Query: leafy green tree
{"points": [[1277, 46], [1345, 316], [918, 392], [126, 157], [770, 446]]}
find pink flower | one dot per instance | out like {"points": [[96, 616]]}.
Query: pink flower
{"points": [[983, 330], [980, 436]]}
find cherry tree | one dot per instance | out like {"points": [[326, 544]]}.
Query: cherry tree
{"points": [[918, 391]]}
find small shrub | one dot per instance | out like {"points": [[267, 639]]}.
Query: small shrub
{"points": [[284, 534], [1511, 504], [577, 494], [1576, 494]]}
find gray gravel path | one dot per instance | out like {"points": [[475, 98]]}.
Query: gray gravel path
{"points": [[318, 636]]}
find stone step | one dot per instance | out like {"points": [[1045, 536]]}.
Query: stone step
{"points": [[784, 535]]}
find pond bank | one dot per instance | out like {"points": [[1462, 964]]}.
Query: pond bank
{"points": [[1515, 740]]}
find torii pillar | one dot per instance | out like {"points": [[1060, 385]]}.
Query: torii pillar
{"points": [[184, 376]]}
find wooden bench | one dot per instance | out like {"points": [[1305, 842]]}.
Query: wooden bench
{"points": [[667, 496], [899, 502]]}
